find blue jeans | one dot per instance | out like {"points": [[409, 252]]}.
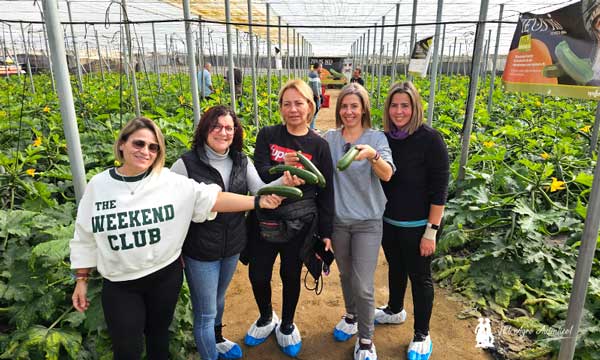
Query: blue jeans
{"points": [[208, 282]]}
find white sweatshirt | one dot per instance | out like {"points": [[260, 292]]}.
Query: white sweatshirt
{"points": [[128, 236]]}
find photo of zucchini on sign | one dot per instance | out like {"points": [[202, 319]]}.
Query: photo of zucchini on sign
{"points": [[335, 70], [557, 53]]}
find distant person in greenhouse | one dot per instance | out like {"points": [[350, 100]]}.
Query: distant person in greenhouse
{"points": [[237, 84], [416, 197], [131, 226], [314, 81], [211, 249], [205, 81], [356, 77], [359, 206], [289, 231]]}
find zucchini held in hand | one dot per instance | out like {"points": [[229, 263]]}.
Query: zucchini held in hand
{"points": [[308, 165], [289, 192], [305, 175], [347, 159]]}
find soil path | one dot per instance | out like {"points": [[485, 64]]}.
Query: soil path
{"points": [[316, 316]]}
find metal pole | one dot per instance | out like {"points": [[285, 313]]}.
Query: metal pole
{"points": [[493, 75], [191, 58], [412, 35], [201, 60], [434, 66], [287, 38], [441, 64], [594, 140], [459, 59], [450, 69], [130, 60], [486, 56], [156, 68], [280, 49], [12, 40], [269, 61], [368, 47], [99, 54], [295, 67], [65, 96], [583, 269], [362, 52], [381, 49], [48, 51], [468, 124], [373, 65], [230, 72], [79, 76], [27, 59], [395, 47], [253, 64]]}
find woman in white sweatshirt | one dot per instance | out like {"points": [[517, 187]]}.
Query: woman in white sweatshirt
{"points": [[131, 224]]}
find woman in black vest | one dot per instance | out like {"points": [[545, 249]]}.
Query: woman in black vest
{"points": [[211, 250]]}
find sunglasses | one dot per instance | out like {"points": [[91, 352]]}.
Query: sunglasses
{"points": [[140, 144], [218, 128]]}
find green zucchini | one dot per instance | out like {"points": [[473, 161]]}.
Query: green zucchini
{"points": [[308, 165], [577, 68], [289, 192], [306, 175], [553, 71], [347, 159]]}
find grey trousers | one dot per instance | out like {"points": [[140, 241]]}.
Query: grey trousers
{"points": [[356, 247]]}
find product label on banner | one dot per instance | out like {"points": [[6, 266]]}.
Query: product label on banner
{"points": [[557, 53], [420, 56]]}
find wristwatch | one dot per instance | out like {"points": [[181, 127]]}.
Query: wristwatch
{"points": [[433, 226]]}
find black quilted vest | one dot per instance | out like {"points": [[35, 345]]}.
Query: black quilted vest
{"points": [[226, 234]]}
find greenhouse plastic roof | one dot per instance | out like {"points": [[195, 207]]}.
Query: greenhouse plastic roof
{"points": [[306, 17]]}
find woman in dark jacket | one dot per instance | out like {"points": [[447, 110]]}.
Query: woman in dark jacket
{"points": [[211, 249]]}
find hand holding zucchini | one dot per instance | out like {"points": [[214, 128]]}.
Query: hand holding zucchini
{"points": [[347, 159], [305, 175], [308, 165], [286, 191]]}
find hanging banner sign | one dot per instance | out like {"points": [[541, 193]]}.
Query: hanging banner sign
{"points": [[420, 56], [557, 53], [332, 72]]}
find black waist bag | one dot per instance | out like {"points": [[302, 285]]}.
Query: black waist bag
{"points": [[285, 223]]}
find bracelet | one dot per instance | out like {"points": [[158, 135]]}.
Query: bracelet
{"points": [[80, 276], [84, 279], [256, 202], [376, 157]]}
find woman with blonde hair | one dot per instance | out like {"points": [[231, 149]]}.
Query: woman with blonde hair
{"points": [[416, 196], [130, 226], [359, 205], [289, 231]]}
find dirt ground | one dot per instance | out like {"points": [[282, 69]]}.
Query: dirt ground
{"points": [[316, 316]]}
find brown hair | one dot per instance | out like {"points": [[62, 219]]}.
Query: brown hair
{"points": [[133, 126], [363, 95], [304, 90], [209, 119], [416, 103]]}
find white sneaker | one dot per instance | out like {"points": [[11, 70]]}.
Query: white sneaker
{"points": [[364, 352], [344, 330], [289, 344], [384, 316], [229, 350], [258, 334], [420, 350]]}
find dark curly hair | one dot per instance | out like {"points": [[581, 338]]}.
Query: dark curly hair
{"points": [[209, 119]]}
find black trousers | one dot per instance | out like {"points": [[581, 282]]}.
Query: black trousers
{"points": [[261, 268], [142, 307], [401, 248]]}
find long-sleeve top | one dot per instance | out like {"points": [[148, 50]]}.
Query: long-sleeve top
{"points": [[131, 226], [273, 142], [421, 177], [223, 163], [358, 195]]}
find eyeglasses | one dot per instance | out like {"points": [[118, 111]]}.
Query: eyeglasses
{"points": [[140, 144], [346, 147], [218, 128]]}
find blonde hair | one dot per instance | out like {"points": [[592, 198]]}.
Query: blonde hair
{"points": [[363, 95], [416, 103], [304, 90], [133, 126]]}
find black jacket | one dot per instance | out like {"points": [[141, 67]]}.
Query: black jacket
{"points": [[225, 235]]}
